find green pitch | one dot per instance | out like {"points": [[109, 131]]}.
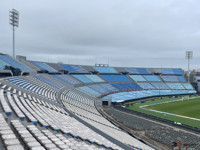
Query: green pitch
{"points": [[189, 108]]}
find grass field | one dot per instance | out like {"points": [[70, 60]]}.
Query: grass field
{"points": [[189, 108]]}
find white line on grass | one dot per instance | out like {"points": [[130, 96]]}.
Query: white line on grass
{"points": [[166, 113]]}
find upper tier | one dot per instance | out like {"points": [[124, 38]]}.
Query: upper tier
{"points": [[25, 65], [34, 66]]}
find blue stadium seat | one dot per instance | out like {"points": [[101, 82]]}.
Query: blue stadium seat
{"points": [[132, 86], [178, 71], [151, 77], [109, 87], [188, 86], [67, 79], [171, 71], [175, 86], [89, 91], [123, 96], [121, 77], [105, 69], [120, 86], [167, 71], [73, 68], [98, 88], [169, 78], [3, 64], [138, 70], [160, 85], [83, 78], [137, 77], [94, 78], [47, 81], [109, 78], [6, 60], [181, 79], [44, 66], [146, 85]]}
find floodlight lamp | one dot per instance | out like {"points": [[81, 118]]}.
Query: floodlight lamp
{"points": [[189, 54], [14, 18]]}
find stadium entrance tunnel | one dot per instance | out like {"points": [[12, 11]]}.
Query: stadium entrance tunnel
{"points": [[105, 103]]}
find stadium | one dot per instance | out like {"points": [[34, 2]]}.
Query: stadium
{"points": [[48, 105]]}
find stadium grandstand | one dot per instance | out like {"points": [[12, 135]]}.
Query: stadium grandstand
{"points": [[63, 106]]}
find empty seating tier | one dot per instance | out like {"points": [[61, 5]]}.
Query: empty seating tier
{"points": [[115, 78], [171, 71], [67, 79], [151, 78], [105, 69], [138, 70], [6, 60], [44, 66], [137, 78], [48, 81], [73, 68], [168, 78], [181, 79]]}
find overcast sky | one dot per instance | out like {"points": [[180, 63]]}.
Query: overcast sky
{"points": [[136, 33]]}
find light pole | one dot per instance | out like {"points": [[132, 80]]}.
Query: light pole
{"points": [[14, 22], [188, 56]]}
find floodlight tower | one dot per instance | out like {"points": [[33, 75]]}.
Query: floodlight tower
{"points": [[189, 56], [14, 22]]}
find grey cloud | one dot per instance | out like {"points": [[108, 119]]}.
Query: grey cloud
{"points": [[128, 33]]}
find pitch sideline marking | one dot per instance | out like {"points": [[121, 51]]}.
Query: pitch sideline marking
{"points": [[167, 113]]}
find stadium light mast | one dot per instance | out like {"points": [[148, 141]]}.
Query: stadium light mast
{"points": [[14, 22], [189, 56]]}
